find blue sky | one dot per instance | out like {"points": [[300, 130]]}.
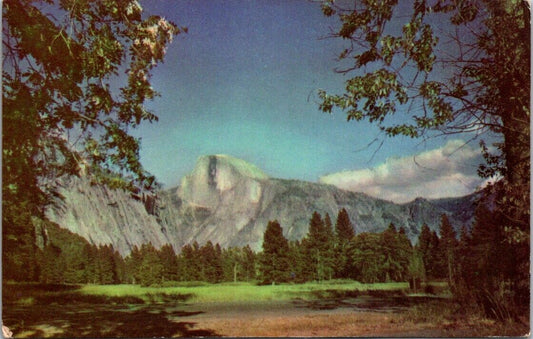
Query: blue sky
{"points": [[243, 82]]}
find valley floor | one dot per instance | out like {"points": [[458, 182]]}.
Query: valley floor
{"points": [[237, 310], [336, 318]]}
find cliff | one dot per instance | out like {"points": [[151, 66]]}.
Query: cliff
{"points": [[230, 202]]}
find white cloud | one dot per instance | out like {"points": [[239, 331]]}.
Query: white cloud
{"points": [[449, 171]]}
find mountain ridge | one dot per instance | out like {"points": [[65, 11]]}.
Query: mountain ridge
{"points": [[229, 201]]}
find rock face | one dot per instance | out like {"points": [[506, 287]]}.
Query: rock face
{"points": [[105, 216], [219, 198], [230, 202]]}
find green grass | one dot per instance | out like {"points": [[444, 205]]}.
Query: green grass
{"points": [[237, 292], [28, 294]]}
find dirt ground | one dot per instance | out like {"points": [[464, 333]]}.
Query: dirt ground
{"points": [[291, 321], [304, 319]]}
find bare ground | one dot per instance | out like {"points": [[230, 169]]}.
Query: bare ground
{"points": [[346, 319]]}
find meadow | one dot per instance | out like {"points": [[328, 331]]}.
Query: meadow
{"points": [[201, 292], [334, 308]]}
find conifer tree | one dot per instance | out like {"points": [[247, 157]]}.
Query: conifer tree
{"points": [[211, 263], [424, 242], [52, 265], [447, 248], [436, 268], [106, 265], [315, 249], [120, 268], [428, 245], [248, 263], [151, 268], [404, 252], [344, 233], [416, 270], [298, 262], [367, 258], [189, 263], [231, 264], [274, 262], [344, 229], [133, 262], [388, 244], [329, 248], [491, 267], [169, 260]]}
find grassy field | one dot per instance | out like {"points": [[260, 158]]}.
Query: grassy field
{"points": [[241, 292], [335, 308]]}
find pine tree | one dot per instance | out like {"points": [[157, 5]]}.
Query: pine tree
{"points": [[424, 242], [492, 268], [120, 268], [428, 246], [231, 264], [367, 258], [133, 262], [344, 232], [315, 249], [189, 263], [416, 270], [274, 262], [151, 268], [329, 248], [248, 263], [211, 263], [52, 265], [397, 251], [106, 265], [389, 245], [92, 267], [169, 260], [447, 247], [297, 262], [436, 268], [404, 252], [344, 229]]}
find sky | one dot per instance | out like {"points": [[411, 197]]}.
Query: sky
{"points": [[243, 82]]}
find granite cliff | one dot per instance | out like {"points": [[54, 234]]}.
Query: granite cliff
{"points": [[229, 201]]}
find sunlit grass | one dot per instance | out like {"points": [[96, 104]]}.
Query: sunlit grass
{"points": [[238, 292]]}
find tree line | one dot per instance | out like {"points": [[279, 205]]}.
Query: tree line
{"points": [[336, 252], [327, 252], [69, 258]]}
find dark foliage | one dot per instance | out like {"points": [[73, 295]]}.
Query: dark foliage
{"points": [[274, 260]]}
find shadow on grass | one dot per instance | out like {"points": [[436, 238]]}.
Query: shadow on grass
{"points": [[370, 300], [62, 311], [133, 321]]}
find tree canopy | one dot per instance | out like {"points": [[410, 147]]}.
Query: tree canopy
{"points": [[438, 67], [75, 78], [443, 65], [274, 262]]}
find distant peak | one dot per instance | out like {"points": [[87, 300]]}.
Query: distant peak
{"points": [[243, 167]]}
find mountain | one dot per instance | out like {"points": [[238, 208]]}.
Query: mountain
{"points": [[229, 201]]}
